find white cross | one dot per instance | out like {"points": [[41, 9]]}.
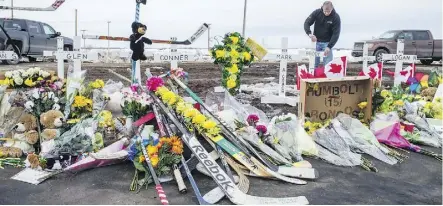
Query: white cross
{"points": [[77, 56], [311, 56], [365, 58], [8, 55], [174, 57], [399, 58], [284, 58]]}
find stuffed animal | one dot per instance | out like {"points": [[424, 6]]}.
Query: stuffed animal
{"points": [[24, 138], [52, 121], [138, 41]]}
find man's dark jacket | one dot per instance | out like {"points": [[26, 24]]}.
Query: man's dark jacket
{"points": [[326, 28]]}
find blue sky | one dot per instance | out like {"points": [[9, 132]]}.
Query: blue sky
{"points": [[267, 20]]}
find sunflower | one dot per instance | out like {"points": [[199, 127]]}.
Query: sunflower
{"points": [[177, 149]]}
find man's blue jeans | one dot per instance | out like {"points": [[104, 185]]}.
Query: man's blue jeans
{"points": [[321, 46]]}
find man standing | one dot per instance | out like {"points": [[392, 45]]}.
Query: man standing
{"points": [[326, 30]]}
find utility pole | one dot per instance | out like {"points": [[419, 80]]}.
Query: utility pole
{"points": [[12, 10], [76, 22], [244, 18], [109, 22], [209, 36]]}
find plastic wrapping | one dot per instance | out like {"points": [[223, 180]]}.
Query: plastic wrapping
{"points": [[111, 87], [428, 135], [387, 131], [356, 135], [330, 140], [73, 84]]}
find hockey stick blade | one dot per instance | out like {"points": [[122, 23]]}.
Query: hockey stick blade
{"points": [[53, 7], [219, 176]]}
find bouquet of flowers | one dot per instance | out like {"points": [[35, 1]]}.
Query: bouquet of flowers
{"points": [[232, 56], [135, 106], [29, 78]]}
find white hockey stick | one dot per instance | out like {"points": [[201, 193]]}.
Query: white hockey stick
{"points": [[53, 7]]}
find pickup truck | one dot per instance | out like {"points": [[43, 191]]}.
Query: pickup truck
{"points": [[417, 42], [31, 38]]}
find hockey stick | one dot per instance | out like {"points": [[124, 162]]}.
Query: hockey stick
{"points": [[158, 186], [273, 170], [53, 7], [189, 41], [219, 176]]}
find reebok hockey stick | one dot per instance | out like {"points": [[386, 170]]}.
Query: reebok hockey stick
{"points": [[271, 168], [158, 186], [189, 41], [218, 175], [53, 7]]}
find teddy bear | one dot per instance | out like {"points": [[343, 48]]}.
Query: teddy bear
{"points": [[52, 122], [23, 139], [137, 44]]}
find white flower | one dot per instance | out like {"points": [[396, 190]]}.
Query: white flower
{"points": [[45, 74], [51, 95], [18, 80], [16, 73], [8, 74], [29, 105], [35, 94], [25, 74], [56, 99], [56, 107]]}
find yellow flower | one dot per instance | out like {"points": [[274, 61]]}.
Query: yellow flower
{"points": [[73, 121], [29, 82], [231, 83], [177, 149], [4, 82], [233, 69], [141, 159], [399, 103], [161, 90], [220, 53], [209, 124], [169, 97], [11, 82], [152, 150], [154, 160], [307, 124], [246, 56], [234, 39], [234, 54], [384, 93], [180, 107], [191, 112], [81, 101], [98, 84], [39, 78], [363, 105], [199, 119], [424, 84]]}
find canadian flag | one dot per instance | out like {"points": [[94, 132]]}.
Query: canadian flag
{"points": [[405, 74], [302, 73], [373, 71], [336, 68]]}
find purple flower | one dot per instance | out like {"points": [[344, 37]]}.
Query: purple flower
{"points": [[252, 119], [262, 129], [153, 83]]}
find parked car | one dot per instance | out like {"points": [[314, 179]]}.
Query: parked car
{"points": [[417, 42], [31, 38]]}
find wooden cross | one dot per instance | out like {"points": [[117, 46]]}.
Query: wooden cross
{"points": [[399, 58], [77, 56]]}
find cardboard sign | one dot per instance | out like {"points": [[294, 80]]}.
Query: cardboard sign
{"points": [[334, 96], [256, 49]]}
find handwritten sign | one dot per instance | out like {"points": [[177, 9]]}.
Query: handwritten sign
{"points": [[256, 49], [324, 99]]}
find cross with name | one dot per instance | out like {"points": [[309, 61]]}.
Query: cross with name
{"points": [[312, 54], [174, 57], [365, 57], [399, 58], [77, 56], [8, 55], [284, 58]]}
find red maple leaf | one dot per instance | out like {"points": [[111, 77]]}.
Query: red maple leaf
{"points": [[305, 75], [372, 73], [404, 73], [335, 68]]}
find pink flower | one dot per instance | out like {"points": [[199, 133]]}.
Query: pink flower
{"points": [[134, 87], [154, 82], [252, 119], [262, 129]]}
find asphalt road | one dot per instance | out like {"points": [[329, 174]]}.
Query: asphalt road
{"points": [[416, 181]]}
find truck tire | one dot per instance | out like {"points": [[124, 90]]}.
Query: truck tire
{"points": [[379, 55], [426, 61], [11, 62]]}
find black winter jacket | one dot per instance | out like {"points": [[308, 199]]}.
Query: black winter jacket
{"points": [[326, 28]]}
